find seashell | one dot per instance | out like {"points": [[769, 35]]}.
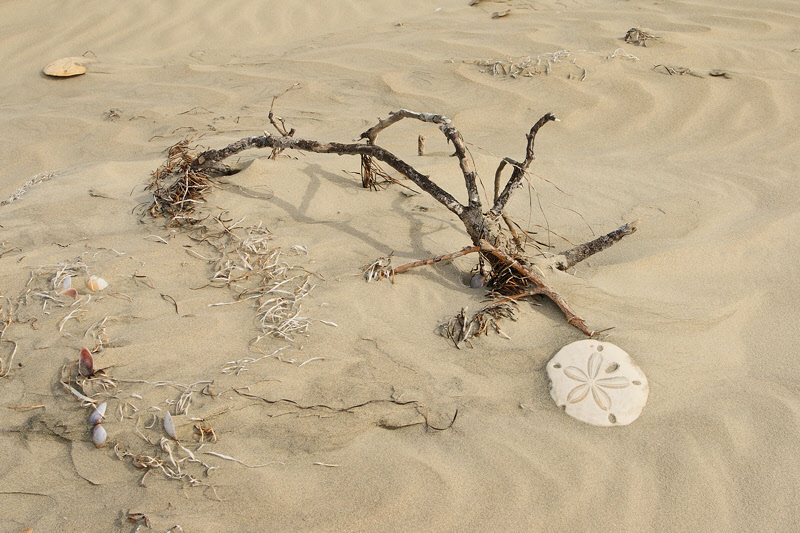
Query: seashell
{"points": [[66, 287], [99, 436], [66, 67], [96, 284], [98, 414], [477, 281], [86, 363], [169, 426], [597, 383]]}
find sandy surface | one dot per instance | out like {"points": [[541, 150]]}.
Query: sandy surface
{"points": [[703, 296]]}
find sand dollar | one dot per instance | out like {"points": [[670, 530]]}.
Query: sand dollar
{"points": [[66, 67], [597, 383]]}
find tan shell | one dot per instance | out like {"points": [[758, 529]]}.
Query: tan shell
{"points": [[96, 284], [66, 67]]}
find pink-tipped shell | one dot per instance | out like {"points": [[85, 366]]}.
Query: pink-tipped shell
{"points": [[86, 365], [96, 284], [98, 414], [99, 436]]}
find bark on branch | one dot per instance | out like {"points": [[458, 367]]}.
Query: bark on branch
{"points": [[575, 255], [209, 160]]}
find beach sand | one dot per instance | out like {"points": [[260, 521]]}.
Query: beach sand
{"points": [[703, 149]]}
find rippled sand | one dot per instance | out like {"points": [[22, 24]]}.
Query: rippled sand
{"points": [[703, 149]]}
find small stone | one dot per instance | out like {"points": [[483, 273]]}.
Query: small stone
{"points": [[597, 383]]}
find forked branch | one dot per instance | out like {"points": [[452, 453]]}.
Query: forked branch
{"points": [[519, 168]]}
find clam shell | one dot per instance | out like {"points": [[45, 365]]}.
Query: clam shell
{"points": [[66, 67], [96, 284], [86, 364], [98, 414], [99, 436], [169, 426]]}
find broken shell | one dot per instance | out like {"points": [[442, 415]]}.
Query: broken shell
{"points": [[477, 281], [99, 436], [69, 292], [96, 284], [66, 67], [86, 364], [597, 383], [169, 426], [98, 414], [66, 283]]}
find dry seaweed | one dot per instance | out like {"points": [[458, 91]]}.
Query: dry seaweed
{"points": [[639, 37]]}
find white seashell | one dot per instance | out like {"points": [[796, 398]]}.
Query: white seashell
{"points": [[99, 436], [597, 383], [98, 414], [66, 283], [169, 426], [96, 284]]}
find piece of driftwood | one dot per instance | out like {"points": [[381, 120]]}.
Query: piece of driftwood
{"points": [[511, 272]]}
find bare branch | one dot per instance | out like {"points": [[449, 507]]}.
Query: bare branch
{"points": [[211, 158], [575, 255], [519, 168], [452, 134]]}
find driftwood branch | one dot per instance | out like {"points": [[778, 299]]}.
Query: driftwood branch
{"points": [[511, 273], [519, 168], [277, 122], [452, 134], [434, 260], [210, 158], [575, 255]]}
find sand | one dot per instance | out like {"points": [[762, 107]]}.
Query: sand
{"points": [[703, 296]]}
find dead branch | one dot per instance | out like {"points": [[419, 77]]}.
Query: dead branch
{"points": [[519, 168], [511, 275], [575, 255], [437, 259], [277, 122]]}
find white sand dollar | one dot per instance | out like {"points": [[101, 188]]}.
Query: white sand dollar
{"points": [[598, 383]]}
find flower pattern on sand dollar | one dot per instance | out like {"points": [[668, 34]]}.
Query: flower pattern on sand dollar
{"points": [[590, 383]]}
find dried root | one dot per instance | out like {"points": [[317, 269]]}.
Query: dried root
{"points": [[35, 180], [460, 329], [246, 262], [523, 66], [379, 269], [177, 187]]}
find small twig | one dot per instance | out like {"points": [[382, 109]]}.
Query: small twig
{"points": [[228, 458]]}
